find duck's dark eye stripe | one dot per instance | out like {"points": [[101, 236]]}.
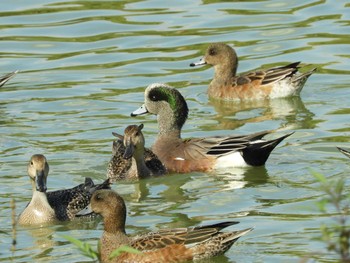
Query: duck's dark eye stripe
{"points": [[158, 94]]}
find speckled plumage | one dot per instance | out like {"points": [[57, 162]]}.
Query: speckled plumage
{"points": [[271, 83], [61, 205], [198, 154], [133, 166], [166, 245], [7, 77], [68, 202]]}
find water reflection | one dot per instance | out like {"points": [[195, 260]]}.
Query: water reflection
{"points": [[43, 241], [291, 111], [242, 177], [84, 67]]}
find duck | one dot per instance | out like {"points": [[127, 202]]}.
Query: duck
{"points": [[277, 82], [345, 152], [62, 205], [163, 246], [198, 154], [7, 77], [130, 159]]}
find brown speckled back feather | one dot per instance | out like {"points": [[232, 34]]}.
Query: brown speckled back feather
{"points": [[119, 168]]}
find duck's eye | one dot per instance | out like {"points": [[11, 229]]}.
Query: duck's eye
{"points": [[153, 97], [212, 52], [98, 197], [31, 162], [158, 94]]}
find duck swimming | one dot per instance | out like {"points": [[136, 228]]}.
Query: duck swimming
{"points": [[131, 160], [278, 82], [163, 246], [198, 154], [61, 205]]}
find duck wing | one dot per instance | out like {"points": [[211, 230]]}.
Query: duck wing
{"points": [[265, 77], [176, 236], [68, 202]]}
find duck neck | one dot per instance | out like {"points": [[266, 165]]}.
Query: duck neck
{"points": [[40, 203], [114, 224], [226, 71], [38, 210], [138, 163], [170, 121], [39, 199]]}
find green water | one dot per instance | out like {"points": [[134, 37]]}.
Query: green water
{"points": [[84, 66]]}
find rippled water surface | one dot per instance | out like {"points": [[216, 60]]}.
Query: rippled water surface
{"points": [[83, 68]]}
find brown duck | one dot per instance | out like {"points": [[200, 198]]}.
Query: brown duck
{"points": [[271, 83], [130, 159], [164, 246]]}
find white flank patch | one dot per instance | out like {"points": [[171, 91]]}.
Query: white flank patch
{"points": [[283, 88], [234, 159], [179, 159]]}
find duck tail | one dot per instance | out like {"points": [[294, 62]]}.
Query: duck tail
{"points": [[298, 81], [301, 79], [345, 152], [218, 244], [257, 153], [7, 77], [91, 187]]}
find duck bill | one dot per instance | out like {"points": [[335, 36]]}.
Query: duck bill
{"points": [[139, 111], [201, 62], [40, 181], [86, 211], [129, 150]]}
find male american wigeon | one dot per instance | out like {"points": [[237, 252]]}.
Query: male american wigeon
{"points": [[130, 159], [61, 205], [272, 83], [166, 245], [7, 77], [198, 154], [345, 152]]}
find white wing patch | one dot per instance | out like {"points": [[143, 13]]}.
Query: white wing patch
{"points": [[179, 159]]}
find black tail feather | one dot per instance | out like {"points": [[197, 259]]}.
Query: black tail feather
{"points": [[219, 226], [345, 152], [256, 154]]}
